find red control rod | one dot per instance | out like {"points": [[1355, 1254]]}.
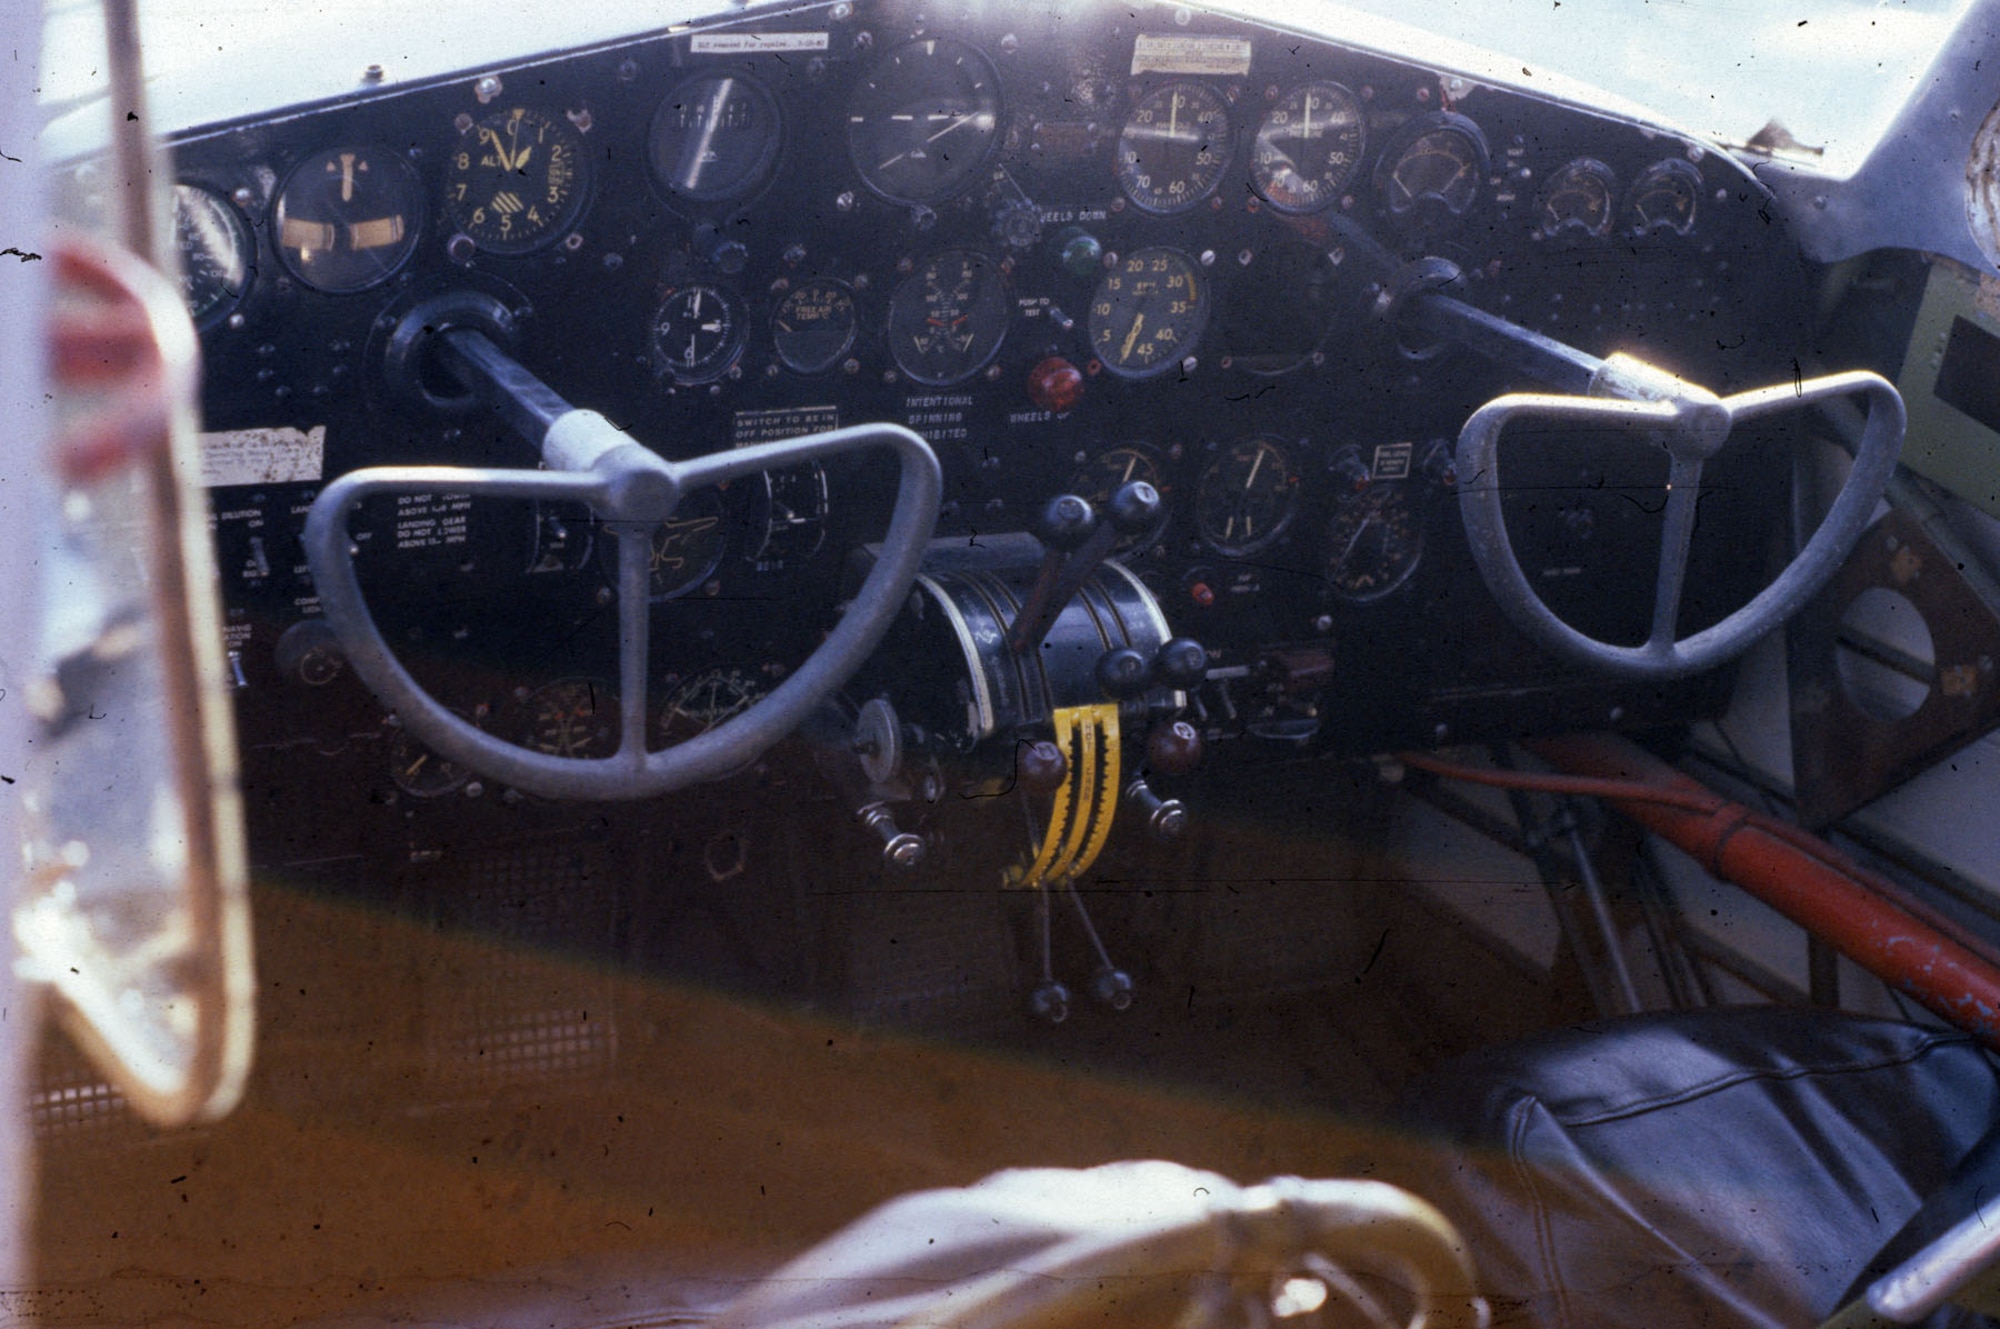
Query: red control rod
{"points": [[1802, 877]]}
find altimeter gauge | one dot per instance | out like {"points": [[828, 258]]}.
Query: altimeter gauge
{"points": [[516, 181]]}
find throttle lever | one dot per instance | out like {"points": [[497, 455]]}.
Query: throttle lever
{"points": [[1078, 543]]}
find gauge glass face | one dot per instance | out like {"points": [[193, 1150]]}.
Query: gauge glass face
{"points": [[575, 718], [1247, 496], [347, 218], [795, 512], [698, 332], [1665, 197], [422, 773], [948, 319], [714, 137], [215, 250], [814, 326], [1103, 474], [1577, 204], [687, 548], [516, 181], [1374, 543], [1432, 176], [705, 700], [1308, 148], [1148, 312], [1174, 147], [921, 123]]}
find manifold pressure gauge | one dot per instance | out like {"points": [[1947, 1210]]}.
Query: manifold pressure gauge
{"points": [[516, 181]]}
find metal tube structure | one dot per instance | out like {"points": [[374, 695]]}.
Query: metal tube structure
{"points": [[1817, 888]]}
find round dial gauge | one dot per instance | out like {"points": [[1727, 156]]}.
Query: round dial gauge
{"points": [[687, 547], [949, 318], [1247, 496], [795, 506], [1103, 474], [702, 702], [921, 123], [347, 218], [575, 717], [216, 251], [420, 772], [1431, 173], [1148, 312], [814, 326], [1665, 197], [516, 181], [1174, 147], [1308, 148], [1374, 543], [698, 332], [1577, 204], [714, 137]]}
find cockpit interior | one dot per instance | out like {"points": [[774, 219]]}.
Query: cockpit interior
{"points": [[814, 602]]}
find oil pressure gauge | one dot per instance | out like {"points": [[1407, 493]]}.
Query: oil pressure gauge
{"points": [[1148, 312], [517, 180]]}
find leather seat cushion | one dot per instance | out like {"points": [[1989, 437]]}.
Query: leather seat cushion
{"points": [[1712, 1168]]}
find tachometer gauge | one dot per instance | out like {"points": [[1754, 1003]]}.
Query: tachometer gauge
{"points": [[347, 218], [948, 319], [714, 137], [1174, 147], [700, 703], [698, 332], [1578, 201], [215, 250], [1665, 197], [1431, 173], [814, 326], [1247, 496], [1374, 542], [922, 122], [516, 181], [575, 717], [1148, 312], [1308, 148], [1098, 478]]}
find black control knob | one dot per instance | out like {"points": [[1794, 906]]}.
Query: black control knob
{"points": [[1173, 749], [1067, 522], [1123, 673], [1134, 507], [1181, 662], [1040, 768]]}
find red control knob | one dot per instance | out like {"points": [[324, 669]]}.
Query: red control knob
{"points": [[1174, 748], [1055, 385]]}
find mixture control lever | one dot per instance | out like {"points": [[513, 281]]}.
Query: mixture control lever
{"points": [[1078, 543]]}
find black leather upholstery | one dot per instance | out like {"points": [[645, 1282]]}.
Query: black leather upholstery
{"points": [[1711, 1168]]}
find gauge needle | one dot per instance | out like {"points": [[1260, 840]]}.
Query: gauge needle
{"points": [[346, 177], [985, 117], [1174, 116], [493, 137], [1125, 351]]}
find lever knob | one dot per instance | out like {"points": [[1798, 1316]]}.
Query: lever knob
{"points": [[1123, 672], [1040, 767], [1173, 749], [1181, 662], [1067, 522], [1134, 506]]}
